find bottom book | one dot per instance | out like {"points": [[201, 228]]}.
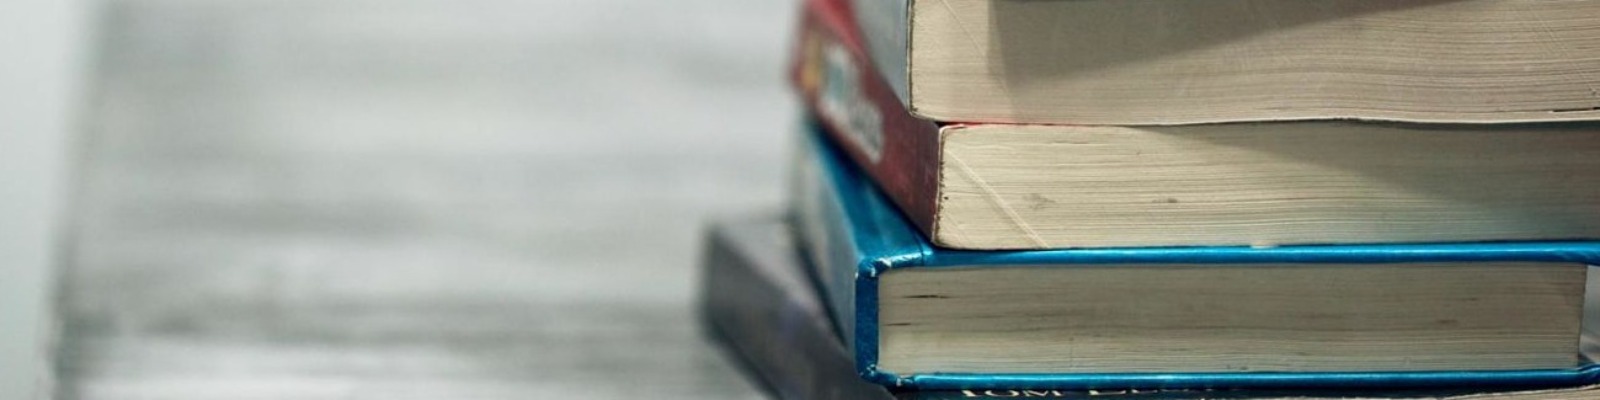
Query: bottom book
{"points": [[757, 301]]}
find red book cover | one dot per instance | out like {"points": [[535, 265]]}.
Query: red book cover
{"points": [[834, 76]]}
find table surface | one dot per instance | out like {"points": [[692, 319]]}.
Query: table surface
{"points": [[407, 199]]}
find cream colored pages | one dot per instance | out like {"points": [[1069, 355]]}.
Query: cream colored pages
{"points": [[1252, 318], [1163, 62], [1030, 187]]}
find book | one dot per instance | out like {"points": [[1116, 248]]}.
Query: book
{"points": [[757, 301], [925, 317], [1007, 186], [1169, 62]]}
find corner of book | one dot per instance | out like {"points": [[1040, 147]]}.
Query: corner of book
{"points": [[871, 268], [871, 373], [917, 108]]}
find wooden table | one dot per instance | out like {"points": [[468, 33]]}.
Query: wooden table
{"points": [[409, 199]]}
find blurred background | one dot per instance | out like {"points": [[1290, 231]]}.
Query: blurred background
{"points": [[409, 199]]}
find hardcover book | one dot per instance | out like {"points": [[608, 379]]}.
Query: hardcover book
{"points": [[757, 300], [920, 316], [1168, 62], [1006, 186]]}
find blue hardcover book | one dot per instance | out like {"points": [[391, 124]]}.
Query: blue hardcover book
{"points": [[757, 300], [1345, 316]]}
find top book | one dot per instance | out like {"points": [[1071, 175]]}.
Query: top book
{"points": [[1171, 62]]}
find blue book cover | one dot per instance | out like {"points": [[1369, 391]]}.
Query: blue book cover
{"points": [[854, 238], [757, 301]]}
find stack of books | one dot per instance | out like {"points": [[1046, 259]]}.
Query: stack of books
{"points": [[1181, 199]]}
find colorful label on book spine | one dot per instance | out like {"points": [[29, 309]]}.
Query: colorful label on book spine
{"points": [[838, 82], [832, 72]]}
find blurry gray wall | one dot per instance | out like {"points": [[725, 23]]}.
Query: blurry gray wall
{"points": [[350, 199], [43, 44]]}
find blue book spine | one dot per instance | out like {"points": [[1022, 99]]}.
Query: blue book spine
{"points": [[853, 234]]}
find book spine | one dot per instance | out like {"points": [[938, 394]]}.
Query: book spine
{"points": [[836, 80], [757, 300], [823, 230]]}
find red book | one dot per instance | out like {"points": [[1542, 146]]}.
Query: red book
{"points": [[834, 76]]}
